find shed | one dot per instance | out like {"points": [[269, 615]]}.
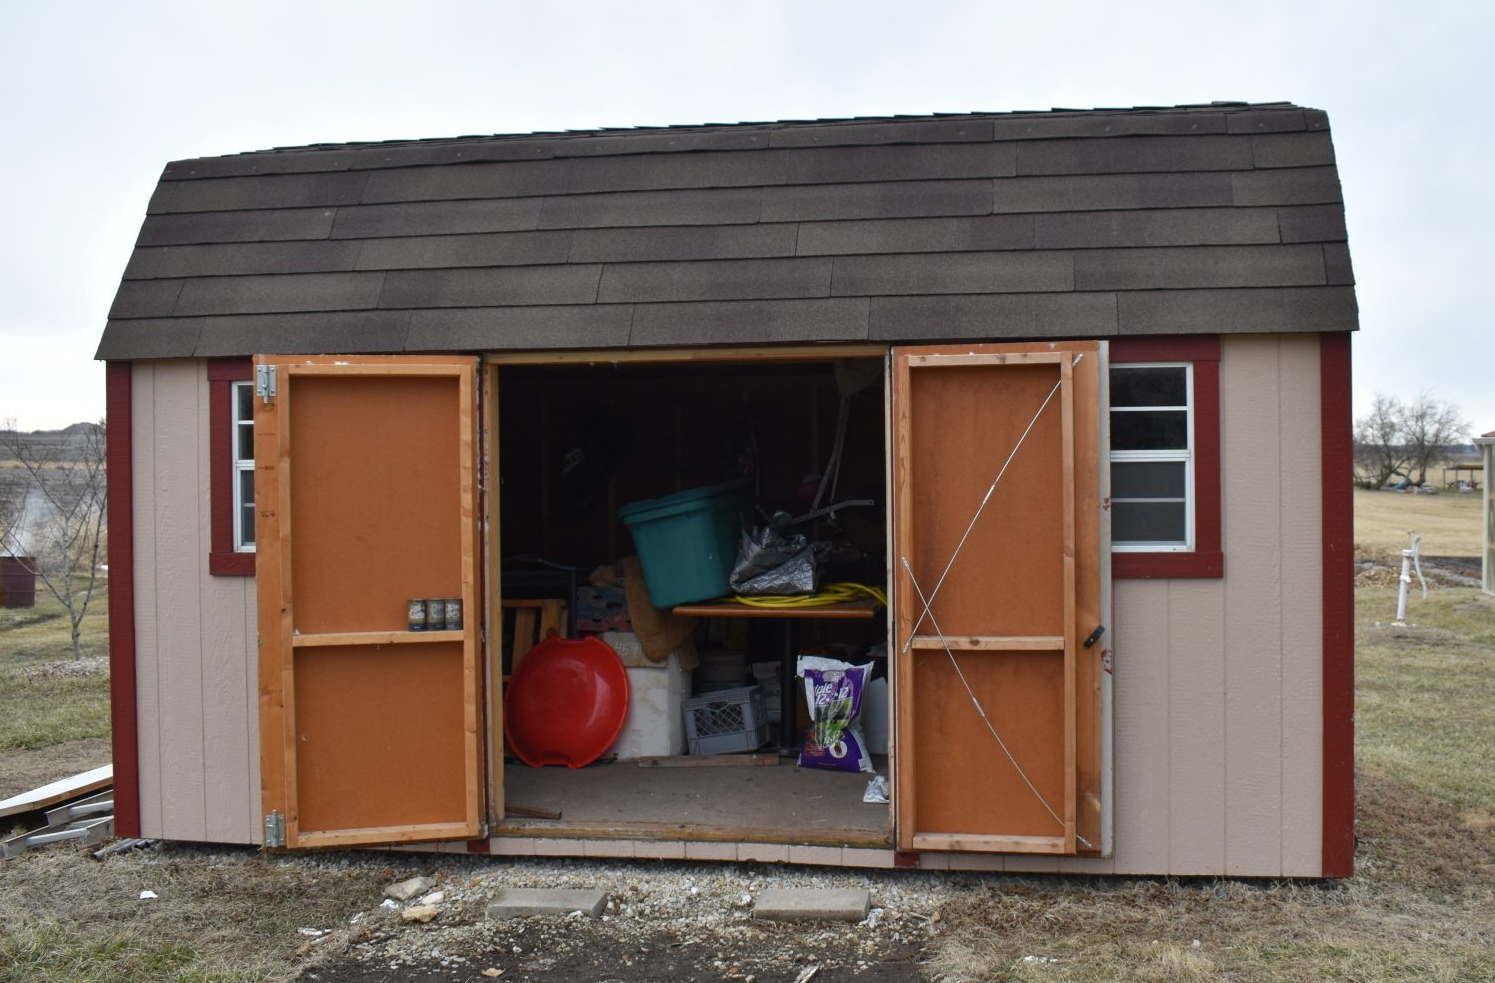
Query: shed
{"points": [[1087, 361], [1486, 446]]}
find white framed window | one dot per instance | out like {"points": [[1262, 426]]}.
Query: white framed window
{"points": [[1152, 456], [242, 442]]}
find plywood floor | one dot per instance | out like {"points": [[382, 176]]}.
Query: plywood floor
{"points": [[769, 804]]}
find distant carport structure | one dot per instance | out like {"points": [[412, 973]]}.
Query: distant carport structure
{"points": [[1486, 446]]}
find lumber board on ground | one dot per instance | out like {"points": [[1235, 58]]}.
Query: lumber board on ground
{"points": [[59, 791]]}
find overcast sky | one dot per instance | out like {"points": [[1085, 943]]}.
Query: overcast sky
{"points": [[97, 97]]}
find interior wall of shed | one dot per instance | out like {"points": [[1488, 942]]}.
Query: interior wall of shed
{"points": [[578, 442]]}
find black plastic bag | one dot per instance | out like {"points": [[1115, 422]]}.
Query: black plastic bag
{"points": [[773, 559]]}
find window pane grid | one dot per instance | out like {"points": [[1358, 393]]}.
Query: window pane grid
{"points": [[1144, 516], [243, 464]]}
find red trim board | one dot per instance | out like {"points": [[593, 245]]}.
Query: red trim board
{"points": [[1336, 419], [124, 728], [223, 560], [1207, 559]]}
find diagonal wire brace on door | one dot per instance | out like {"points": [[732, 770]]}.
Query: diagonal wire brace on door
{"points": [[914, 629], [981, 710]]}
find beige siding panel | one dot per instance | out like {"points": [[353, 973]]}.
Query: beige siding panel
{"points": [[1143, 749], [1302, 552], [229, 701], [179, 483], [1196, 726], [1250, 395], [197, 699], [147, 667], [251, 688]]}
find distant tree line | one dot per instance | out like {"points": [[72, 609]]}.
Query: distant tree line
{"points": [[1398, 441]]}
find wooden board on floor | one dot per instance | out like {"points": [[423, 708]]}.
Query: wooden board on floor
{"points": [[709, 761], [760, 804], [58, 791]]}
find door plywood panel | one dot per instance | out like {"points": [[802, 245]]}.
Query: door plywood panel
{"points": [[365, 722], [962, 768], [349, 452], [997, 499], [365, 475], [1008, 579]]}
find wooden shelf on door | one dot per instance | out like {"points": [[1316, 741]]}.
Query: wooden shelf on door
{"points": [[374, 638]]}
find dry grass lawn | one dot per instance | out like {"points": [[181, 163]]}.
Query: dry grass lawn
{"points": [[1449, 521]]}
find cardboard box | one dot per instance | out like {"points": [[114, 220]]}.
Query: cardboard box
{"points": [[602, 609]]}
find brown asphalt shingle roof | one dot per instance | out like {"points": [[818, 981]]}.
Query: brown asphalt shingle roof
{"points": [[1198, 219]]}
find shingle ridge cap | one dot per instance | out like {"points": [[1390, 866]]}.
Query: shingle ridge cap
{"points": [[611, 131]]}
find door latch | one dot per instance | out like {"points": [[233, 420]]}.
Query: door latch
{"points": [[264, 381], [275, 829]]}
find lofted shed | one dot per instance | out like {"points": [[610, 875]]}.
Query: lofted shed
{"points": [[1091, 370], [1486, 445]]}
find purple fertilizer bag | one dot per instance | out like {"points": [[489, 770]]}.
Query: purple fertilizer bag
{"points": [[833, 693]]}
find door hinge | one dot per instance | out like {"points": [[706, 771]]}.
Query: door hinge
{"points": [[275, 829], [264, 381]]}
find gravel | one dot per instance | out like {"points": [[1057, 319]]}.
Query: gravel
{"points": [[661, 918]]}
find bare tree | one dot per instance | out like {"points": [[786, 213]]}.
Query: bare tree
{"points": [[1397, 439], [1431, 427], [60, 518], [1380, 451]]}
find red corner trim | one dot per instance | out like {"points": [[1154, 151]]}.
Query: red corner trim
{"points": [[1336, 418], [223, 561], [1207, 558], [124, 727]]}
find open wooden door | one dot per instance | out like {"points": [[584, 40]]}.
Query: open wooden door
{"points": [[365, 488], [997, 559]]}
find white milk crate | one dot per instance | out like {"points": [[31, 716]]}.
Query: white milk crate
{"points": [[726, 720]]}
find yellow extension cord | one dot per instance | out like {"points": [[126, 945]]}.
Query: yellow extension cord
{"points": [[829, 594]]}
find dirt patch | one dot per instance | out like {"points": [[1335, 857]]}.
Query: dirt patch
{"points": [[559, 950], [663, 921], [32, 768], [1419, 907], [1376, 567], [90, 665], [25, 617]]}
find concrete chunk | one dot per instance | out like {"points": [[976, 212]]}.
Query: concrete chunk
{"points": [[405, 890], [812, 905], [517, 902]]}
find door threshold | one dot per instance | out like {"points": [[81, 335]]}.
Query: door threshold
{"points": [[692, 832]]}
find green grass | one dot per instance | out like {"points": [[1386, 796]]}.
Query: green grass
{"points": [[53, 954], [38, 709], [40, 634], [38, 713]]}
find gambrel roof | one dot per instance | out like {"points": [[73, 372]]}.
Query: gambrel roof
{"points": [[1194, 219]]}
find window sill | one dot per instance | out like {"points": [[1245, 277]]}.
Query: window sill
{"points": [[230, 564], [1201, 564]]}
